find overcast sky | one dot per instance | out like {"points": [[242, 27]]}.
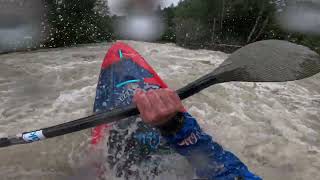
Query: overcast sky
{"points": [[113, 4], [169, 2]]}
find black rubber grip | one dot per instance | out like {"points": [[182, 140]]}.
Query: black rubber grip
{"points": [[4, 142]]}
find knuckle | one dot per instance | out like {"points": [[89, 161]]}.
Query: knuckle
{"points": [[157, 90], [162, 91], [150, 95], [136, 98], [150, 92], [140, 96], [172, 92]]}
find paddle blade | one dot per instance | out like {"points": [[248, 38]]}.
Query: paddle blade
{"points": [[269, 61]]}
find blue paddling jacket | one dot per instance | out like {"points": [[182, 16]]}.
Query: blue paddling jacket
{"points": [[208, 158]]}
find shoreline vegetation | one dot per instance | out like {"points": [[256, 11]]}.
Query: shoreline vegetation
{"points": [[221, 25]]}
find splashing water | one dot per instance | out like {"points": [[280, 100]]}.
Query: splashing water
{"points": [[273, 127]]}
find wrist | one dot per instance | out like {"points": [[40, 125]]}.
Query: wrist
{"points": [[173, 125]]}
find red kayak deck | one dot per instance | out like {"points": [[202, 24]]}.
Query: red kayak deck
{"points": [[118, 52]]}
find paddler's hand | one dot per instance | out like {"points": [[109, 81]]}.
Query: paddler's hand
{"points": [[158, 107]]}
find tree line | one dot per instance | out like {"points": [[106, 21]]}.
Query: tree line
{"points": [[218, 24], [221, 23]]}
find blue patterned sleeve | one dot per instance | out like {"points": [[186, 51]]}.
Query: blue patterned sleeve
{"points": [[208, 158]]}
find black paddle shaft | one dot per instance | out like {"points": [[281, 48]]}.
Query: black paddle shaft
{"points": [[105, 117], [121, 113], [264, 61]]}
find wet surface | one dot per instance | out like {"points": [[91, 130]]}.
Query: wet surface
{"points": [[273, 127]]}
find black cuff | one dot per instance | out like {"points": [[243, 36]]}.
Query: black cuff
{"points": [[173, 125]]}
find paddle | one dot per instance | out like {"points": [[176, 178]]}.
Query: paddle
{"points": [[264, 61]]}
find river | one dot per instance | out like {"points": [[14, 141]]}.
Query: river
{"points": [[273, 127]]}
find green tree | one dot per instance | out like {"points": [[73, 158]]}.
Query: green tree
{"points": [[227, 21], [76, 21], [192, 16], [248, 19], [168, 16]]}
